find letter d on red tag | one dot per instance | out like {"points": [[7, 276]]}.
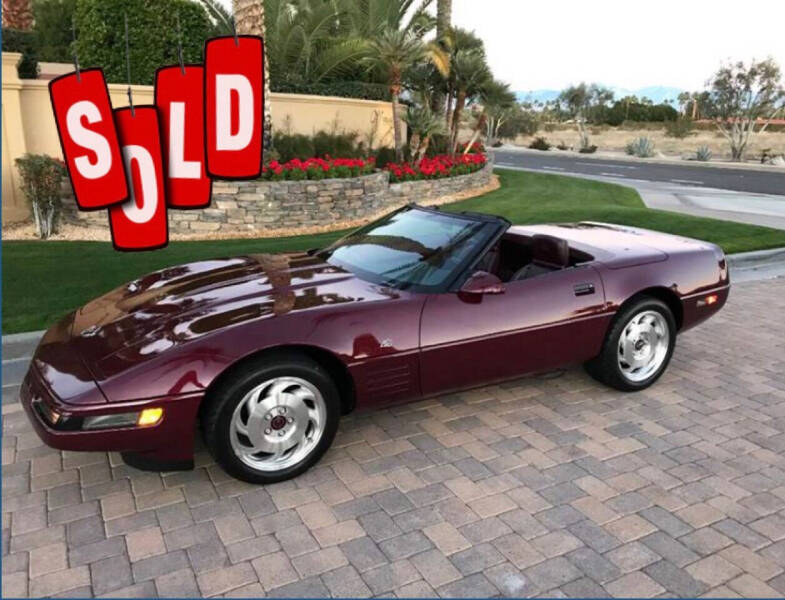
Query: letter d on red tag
{"points": [[88, 138], [179, 98], [234, 97], [140, 223]]}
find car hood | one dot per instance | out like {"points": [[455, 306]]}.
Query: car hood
{"points": [[173, 306]]}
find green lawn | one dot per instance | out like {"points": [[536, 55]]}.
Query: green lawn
{"points": [[43, 281]]}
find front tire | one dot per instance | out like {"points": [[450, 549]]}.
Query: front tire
{"points": [[272, 419], [637, 348]]}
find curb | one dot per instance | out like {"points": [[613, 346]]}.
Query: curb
{"points": [[27, 336], [652, 161], [756, 257]]}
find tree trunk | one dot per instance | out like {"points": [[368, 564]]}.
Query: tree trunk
{"points": [[414, 145], [249, 19], [443, 23], [426, 141], [395, 91], [460, 101]]}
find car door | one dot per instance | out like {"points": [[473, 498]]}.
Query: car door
{"points": [[537, 324]]}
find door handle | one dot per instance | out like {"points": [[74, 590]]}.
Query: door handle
{"points": [[583, 289]]}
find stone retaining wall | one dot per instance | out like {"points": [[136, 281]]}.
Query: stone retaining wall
{"points": [[251, 206]]}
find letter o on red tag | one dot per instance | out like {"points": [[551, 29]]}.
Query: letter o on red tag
{"points": [[88, 138], [234, 100], [140, 223], [179, 98]]}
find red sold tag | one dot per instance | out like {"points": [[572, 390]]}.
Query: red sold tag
{"points": [[140, 223], [234, 97], [88, 138], [179, 98]]}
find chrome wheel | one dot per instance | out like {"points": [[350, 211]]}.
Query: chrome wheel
{"points": [[643, 345], [278, 423]]}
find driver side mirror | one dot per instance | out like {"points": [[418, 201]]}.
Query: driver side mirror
{"points": [[479, 284]]}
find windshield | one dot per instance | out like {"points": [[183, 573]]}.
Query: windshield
{"points": [[412, 248]]}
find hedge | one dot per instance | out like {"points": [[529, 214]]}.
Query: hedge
{"points": [[25, 42], [152, 31]]}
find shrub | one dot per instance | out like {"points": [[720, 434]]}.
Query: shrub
{"points": [[25, 42], [42, 178], [384, 156], [539, 143], [436, 167], [335, 144], [53, 19], [291, 146], [703, 154], [151, 31], [316, 168], [562, 146], [588, 149], [549, 127], [680, 128], [344, 89], [439, 145], [642, 147]]}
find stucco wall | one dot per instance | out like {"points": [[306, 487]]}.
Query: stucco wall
{"points": [[296, 206], [29, 125]]}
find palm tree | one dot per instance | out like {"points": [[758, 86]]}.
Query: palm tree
{"points": [[423, 124], [391, 54], [18, 14], [249, 19], [443, 17], [310, 40], [470, 73]]}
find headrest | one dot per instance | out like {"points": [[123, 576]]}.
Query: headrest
{"points": [[550, 251]]}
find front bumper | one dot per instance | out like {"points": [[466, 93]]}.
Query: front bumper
{"points": [[168, 443]]}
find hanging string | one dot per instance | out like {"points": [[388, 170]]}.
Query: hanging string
{"points": [[234, 31], [180, 45], [128, 67], [76, 56]]}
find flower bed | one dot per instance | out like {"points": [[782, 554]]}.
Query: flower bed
{"points": [[317, 168], [436, 167]]}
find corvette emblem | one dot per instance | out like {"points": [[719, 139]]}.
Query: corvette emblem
{"points": [[90, 331]]}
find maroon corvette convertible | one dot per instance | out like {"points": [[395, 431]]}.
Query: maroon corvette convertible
{"points": [[267, 351]]}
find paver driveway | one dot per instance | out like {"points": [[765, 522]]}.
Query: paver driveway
{"points": [[540, 486]]}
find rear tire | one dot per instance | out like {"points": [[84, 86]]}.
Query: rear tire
{"points": [[637, 347], [272, 418]]}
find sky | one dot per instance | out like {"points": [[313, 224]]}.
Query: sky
{"points": [[540, 44], [680, 43]]}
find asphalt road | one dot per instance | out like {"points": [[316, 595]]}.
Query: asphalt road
{"points": [[740, 180]]}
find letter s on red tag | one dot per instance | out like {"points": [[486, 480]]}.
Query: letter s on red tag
{"points": [[140, 223], [179, 98], [234, 99], [88, 138]]}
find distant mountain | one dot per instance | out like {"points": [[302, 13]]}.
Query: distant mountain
{"points": [[655, 93]]}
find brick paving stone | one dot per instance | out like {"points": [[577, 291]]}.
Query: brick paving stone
{"points": [[233, 528], [14, 585], [404, 546], [552, 573], [474, 586], [389, 577], [207, 555], [177, 584], [145, 543], [632, 557], [594, 536], [634, 585], [446, 538], [338, 533], [750, 587], [46, 559], [379, 526], [713, 570], [296, 540], [556, 543], [674, 579], [363, 553], [320, 561], [110, 574], [155, 566], [477, 558], [629, 528], [274, 570], [345, 582], [751, 562], [59, 581], [594, 565], [706, 541], [416, 589], [89, 553], [670, 549], [252, 548], [220, 581], [435, 568], [313, 587]]}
